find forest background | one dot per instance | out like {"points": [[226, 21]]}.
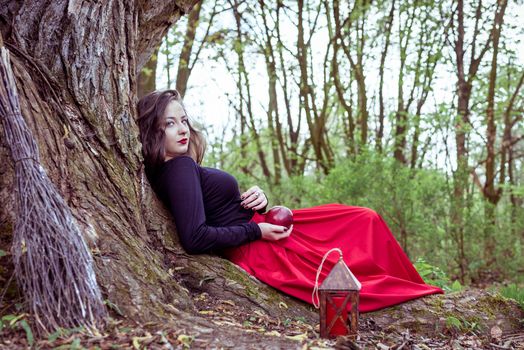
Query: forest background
{"points": [[412, 108]]}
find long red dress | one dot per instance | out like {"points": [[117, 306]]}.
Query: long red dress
{"points": [[369, 249]]}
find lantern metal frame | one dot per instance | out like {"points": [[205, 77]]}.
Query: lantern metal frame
{"points": [[351, 322], [340, 283]]}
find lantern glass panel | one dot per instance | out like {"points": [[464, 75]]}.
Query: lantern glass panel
{"points": [[337, 320]]}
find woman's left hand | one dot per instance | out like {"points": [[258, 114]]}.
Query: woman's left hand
{"points": [[254, 198]]}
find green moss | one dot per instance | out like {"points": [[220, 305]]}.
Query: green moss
{"points": [[464, 324], [435, 304], [234, 274], [492, 304]]}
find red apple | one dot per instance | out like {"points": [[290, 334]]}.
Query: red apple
{"points": [[279, 215]]}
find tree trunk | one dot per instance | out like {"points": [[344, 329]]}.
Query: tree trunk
{"points": [[383, 55], [184, 70], [491, 193], [76, 67], [147, 76], [461, 173]]}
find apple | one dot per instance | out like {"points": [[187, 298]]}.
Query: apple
{"points": [[280, 215]]}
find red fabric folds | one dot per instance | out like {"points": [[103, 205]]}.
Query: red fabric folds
{"points": [[369, 249]]}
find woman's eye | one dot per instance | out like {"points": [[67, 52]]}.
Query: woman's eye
{"points": [[185, 121], [170, 124]]}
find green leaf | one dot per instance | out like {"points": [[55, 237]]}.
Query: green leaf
{"points": [[54, 336], [2, 253], [453, 322], [113, 306], [28, 332], [185, 340], [456, 286], [15, 319], [136, 343], [75, 344], [8, 317]]}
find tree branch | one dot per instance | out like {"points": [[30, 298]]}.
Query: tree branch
{"points": [[154, 19]]}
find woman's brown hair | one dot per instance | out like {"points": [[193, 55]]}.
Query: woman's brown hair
{"points": [[151, 124]]}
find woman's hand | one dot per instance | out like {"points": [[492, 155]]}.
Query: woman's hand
{"points": [[272, 232], [254, 198]]}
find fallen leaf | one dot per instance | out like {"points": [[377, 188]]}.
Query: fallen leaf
{"points": [[382, 346], [205, 279], [496, 333], [185, 340], [136, 343], [273, 333], [298, 337], [282, 305], [206, 312], [259, 313]]}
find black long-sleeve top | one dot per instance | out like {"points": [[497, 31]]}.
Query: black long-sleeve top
{"points": [[205, 204]]}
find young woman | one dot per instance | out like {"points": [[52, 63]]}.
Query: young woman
{"points": [[212, 216]]}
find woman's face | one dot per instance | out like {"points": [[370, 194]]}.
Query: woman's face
{"points": [[177, 130]]}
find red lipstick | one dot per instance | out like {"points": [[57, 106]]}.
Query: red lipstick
{"points": [[183, 141]]}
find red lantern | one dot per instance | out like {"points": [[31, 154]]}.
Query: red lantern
{"points": [[338, 302]]}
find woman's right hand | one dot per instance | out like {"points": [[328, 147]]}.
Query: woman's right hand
{"points": [[272, 232]]}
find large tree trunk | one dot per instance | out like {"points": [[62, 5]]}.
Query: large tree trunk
{"points": [[76, 66]]}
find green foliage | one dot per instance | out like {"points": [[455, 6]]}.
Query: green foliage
{"points": [[515, 292], [63, 333], [17, 322], [435, 276], [461, 324], [2, 253], [74, 345], [453, 322], [410, 200], [416, 204]]}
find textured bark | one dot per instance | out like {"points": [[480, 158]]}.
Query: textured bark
{"points": [[273, 116], [76, 66], [294, 165], [349, 125], [491, 193], [243, 80], [315, 121], [383, 55], [184, 69], [465, 77], [147, 77]]}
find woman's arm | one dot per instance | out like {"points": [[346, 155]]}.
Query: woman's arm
{"points": [[181, 181]]}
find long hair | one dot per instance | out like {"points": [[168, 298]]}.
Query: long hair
{"points": [[151, 124]]}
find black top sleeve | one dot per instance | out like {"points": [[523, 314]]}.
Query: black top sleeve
{"points": [[183, 193]]}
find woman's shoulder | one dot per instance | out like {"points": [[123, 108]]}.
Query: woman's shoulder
{"points": [[179, 163], [180, 166]]}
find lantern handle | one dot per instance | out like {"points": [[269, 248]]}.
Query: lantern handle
{"points": [[314, 296]]}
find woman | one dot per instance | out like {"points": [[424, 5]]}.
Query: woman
{"points": [[212, 216]]}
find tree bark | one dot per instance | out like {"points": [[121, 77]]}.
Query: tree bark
{"points": [[293, 164], [491, 193], [147, 76], [383, 55], [76, 67], [243, 80], [184, 70]]}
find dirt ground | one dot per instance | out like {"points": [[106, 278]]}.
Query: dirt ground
{"points": [[472, 319]]}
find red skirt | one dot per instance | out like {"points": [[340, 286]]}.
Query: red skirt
{"points": [[369, 249]]}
